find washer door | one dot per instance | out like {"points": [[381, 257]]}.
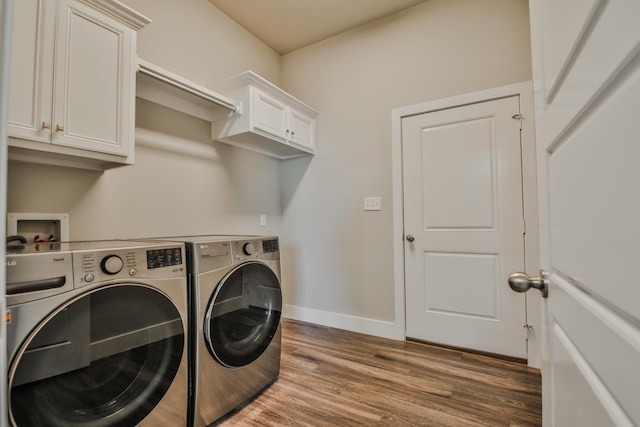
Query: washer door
{"points": [[243, 314], [106, 358]]}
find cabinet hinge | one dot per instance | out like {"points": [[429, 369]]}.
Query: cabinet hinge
{"points": [[524, 226]]}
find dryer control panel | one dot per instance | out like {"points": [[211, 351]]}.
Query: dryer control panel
{"points": [[207, 256], [268, 248], [211, 252]]}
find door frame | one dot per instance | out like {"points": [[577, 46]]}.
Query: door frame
{"points": [[529, 191], [6, 14]]}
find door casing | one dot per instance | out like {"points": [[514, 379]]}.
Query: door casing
{"points": [[6, 13], [530, 197]]}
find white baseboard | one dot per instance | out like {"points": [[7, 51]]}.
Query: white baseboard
{"points": [[342, 321]]}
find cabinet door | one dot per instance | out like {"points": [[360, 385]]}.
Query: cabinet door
{"points": [[31, 65], [269, 115], [302, 129], [93, 81]]}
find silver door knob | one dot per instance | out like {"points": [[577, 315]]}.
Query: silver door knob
{"points": [[410, 238], [522, 282]]}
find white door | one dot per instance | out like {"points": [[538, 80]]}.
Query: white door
{"points": [[463, 219], [587, 94]]}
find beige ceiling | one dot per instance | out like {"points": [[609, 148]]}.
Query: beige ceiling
{"points": [[287, 25]]}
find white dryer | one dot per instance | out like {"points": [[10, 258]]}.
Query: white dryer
{"points": [[236, 303], [97, 334]]}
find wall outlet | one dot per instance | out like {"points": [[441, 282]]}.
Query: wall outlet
{"points": [[263, 220], [372, 204]]}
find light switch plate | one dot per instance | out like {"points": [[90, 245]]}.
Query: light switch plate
{"points": [[372, 203]]}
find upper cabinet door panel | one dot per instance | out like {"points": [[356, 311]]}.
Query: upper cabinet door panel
{"points": [[302, 129], [31, 60], [269, 115], [93, 56]]}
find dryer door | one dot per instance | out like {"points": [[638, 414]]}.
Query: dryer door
{"points": [[243, 314], [105, 358]]}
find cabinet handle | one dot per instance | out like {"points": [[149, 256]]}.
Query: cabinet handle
{"points": [[59, 128], [292, 134], [287, 132], [46, 125]]}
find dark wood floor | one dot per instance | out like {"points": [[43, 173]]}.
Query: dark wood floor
{"points": [[331, 377]]}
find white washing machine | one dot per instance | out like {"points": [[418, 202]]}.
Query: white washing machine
{"points": [[97, 334], [236, 309]]}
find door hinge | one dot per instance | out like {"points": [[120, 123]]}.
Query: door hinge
{"points": [[524, 226], [529, 329], [518, 117]]}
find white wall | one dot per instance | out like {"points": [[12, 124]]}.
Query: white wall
{"points": [[194, 39], [340, 258], [337, 259], [182, 182]]}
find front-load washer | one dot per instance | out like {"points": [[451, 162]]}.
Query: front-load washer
{"points": [[236, 310], [97, 334]]}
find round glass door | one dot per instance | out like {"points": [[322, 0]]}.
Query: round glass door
{"points": [[243, 315], [105, 359]]}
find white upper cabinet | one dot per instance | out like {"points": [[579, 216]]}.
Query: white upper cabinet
{"points": [[72, 83], [269, 121]]}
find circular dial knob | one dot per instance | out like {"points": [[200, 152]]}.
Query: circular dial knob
{"points": [[112, 264], [248, 249]]}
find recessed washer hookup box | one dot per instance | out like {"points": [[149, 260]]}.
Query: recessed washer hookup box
{"points": [[39, 226]]}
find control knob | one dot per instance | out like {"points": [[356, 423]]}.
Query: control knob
{"points": [[111, 264], [248, 249]]}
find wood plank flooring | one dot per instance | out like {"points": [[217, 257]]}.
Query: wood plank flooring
{"points": [[331, 377]]}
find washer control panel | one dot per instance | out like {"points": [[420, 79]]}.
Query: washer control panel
{"points": [[102, 265], [98, 266], [111, 264], [158, 258]]}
